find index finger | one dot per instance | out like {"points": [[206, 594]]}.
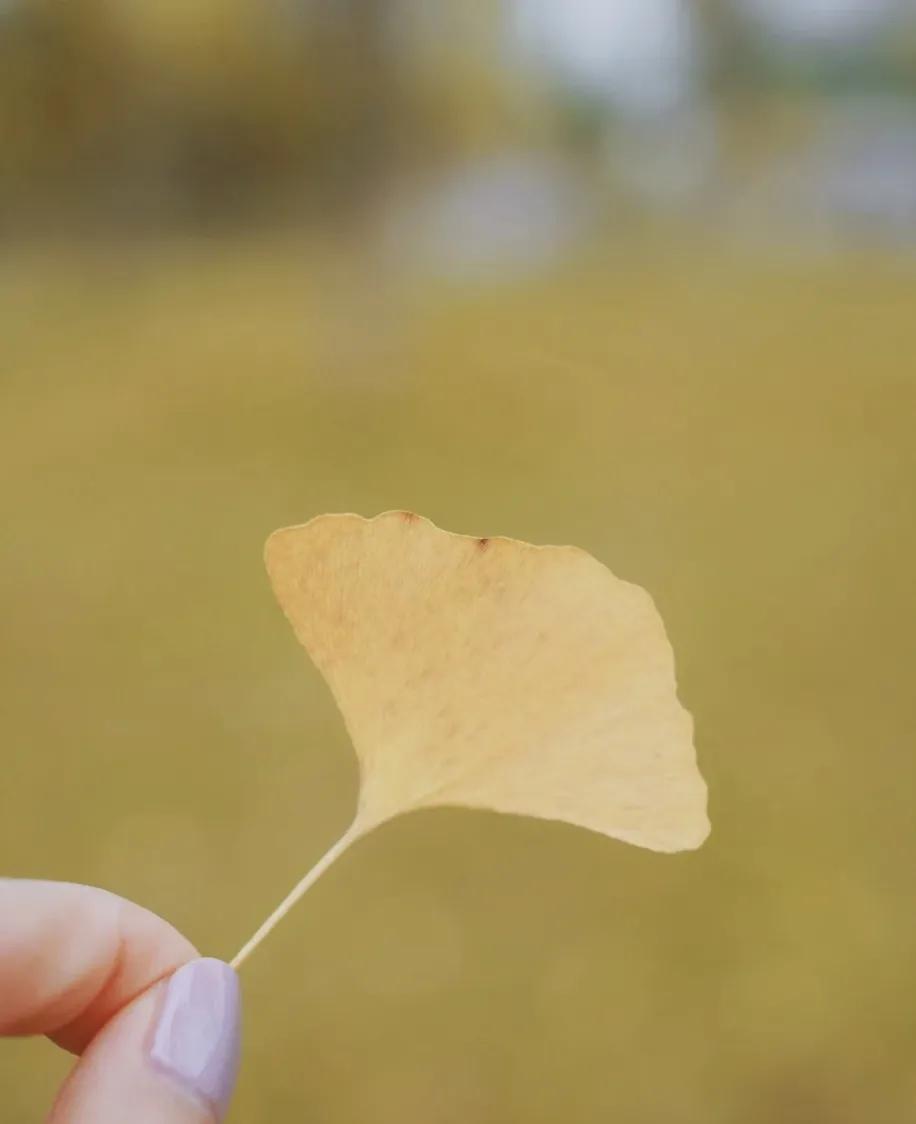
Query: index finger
{"points": [[72, 956]]}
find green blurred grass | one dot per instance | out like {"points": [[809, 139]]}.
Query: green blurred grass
{"points": [[737, 437]]}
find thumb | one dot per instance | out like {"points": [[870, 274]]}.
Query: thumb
{"points": [[169, 1057]]}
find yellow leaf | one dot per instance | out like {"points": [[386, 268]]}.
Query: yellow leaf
{"points": [[491, 673]]}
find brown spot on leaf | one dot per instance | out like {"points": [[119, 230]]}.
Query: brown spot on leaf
{"points": [[483, 544]]}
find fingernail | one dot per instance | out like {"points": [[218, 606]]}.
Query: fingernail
{"points": [[196, 1040]]}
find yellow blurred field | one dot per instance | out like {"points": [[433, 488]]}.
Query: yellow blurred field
{"points": [[735, 435]]}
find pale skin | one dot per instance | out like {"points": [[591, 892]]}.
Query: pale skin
{"points": [[89, 970]]}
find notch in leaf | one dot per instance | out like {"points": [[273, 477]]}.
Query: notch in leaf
{"points": [[489, 673]]}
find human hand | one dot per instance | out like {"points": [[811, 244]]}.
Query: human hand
{"points": [[155, 1027]]}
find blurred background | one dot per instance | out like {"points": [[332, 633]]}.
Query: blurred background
{"points": [[634, 274]]}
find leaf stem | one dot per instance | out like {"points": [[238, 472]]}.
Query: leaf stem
{"points": [[334, 852]]}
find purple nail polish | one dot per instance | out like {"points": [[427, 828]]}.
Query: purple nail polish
{"points": [[196, 1041]]}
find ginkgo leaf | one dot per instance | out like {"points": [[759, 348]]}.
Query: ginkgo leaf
{"points": [[490, 673]]}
